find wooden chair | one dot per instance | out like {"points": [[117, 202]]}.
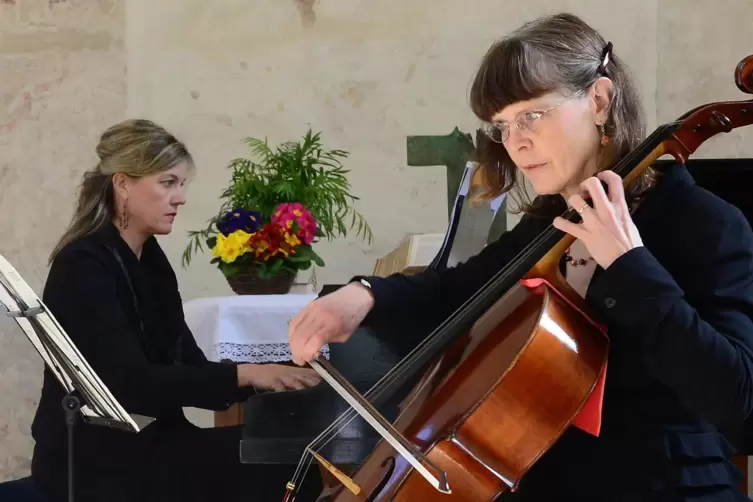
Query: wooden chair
{"points": [[231, 417], [741, 461]]}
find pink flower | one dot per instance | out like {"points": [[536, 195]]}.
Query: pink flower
{"points": [[290, 214]]}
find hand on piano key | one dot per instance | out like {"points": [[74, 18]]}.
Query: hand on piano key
{"points": [[276, 377]]}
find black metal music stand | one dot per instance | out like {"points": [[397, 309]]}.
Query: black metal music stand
{"points": [[86, 395]]}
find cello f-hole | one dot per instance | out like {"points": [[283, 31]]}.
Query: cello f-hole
{"points": [[385, 479]]}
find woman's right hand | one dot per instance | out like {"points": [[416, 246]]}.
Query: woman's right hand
{"points": [[331, 318]]}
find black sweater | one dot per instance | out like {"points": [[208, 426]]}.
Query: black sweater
{"points": [[140, 347]]}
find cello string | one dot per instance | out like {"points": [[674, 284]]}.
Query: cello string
{"points": [[297, 475], [426, 344], [329, 434], [421, 348], [400, 368]]}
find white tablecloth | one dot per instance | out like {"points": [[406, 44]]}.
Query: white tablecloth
{"points": [[245, 328]]}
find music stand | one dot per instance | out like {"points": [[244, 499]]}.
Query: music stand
{"points": [[469, 224], [86, 395]]}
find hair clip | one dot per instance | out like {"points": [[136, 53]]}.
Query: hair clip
{"points": [[606, 56]]}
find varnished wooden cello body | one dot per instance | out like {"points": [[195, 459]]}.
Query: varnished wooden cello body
{"points": [[509, 371]]}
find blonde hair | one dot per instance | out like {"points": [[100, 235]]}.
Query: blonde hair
{"points": [[136, 148]]}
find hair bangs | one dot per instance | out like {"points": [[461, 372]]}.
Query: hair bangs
{"points": [[511, 71]]}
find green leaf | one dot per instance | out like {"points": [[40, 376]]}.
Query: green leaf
{"points": [[263, 271], [317, 259], [275, 266], [230, 269], [298, 258]]}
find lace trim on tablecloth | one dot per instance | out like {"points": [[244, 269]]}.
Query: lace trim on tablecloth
{"points": [[256, 353]]}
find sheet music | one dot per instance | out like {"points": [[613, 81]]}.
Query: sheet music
{"points": [[101, 404], [449, 236], [469, 224], [472, 230], [10, 305], [496, 204]]}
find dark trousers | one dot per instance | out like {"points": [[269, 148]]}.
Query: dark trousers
{"points": [[187, 465]]}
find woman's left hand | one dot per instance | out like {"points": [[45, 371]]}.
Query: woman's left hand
{"points": [[607, 230], [276, 377]]}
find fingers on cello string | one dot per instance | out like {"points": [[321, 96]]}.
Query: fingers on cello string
{"points": [[598, 196]]}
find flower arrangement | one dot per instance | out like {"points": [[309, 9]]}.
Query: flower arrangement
{"points": [[278, 204], [245, 239]]}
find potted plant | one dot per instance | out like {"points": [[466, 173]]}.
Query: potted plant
{"points": [[278, 204]]}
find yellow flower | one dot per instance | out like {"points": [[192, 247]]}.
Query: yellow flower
{"points": [[230, 254], [292, 239], [229, 248]]}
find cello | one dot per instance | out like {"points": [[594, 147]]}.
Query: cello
{"points": [[508, 372]]}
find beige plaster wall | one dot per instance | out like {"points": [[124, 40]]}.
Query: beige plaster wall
{"points": [[62, 80], [366, 74]]}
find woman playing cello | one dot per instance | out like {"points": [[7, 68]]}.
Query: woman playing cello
{"points": [[666, 265]]}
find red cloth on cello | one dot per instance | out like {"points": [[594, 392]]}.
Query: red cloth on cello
{"points": [[589, 418]]}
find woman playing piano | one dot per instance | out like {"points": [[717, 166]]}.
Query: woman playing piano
{"points": [[114, 292], [666, 265]]}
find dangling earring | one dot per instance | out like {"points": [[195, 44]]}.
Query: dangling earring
{"points": [[124, 215], [604, 137]]}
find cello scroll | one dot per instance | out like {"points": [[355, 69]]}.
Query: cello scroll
{"points": [[703, 122], [744, 75]]}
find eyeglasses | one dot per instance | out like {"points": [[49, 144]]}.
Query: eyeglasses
{"points": [[499, 132]]}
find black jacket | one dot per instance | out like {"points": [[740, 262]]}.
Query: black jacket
{"points": [[679, 313], [135, 338]]}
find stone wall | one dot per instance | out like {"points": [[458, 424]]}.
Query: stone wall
{"points": [[366, 74]]}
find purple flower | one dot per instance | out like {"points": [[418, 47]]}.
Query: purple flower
{"points": [[240, 219]]}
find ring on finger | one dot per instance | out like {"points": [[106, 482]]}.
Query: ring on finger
{"points": [[585, 205]]}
